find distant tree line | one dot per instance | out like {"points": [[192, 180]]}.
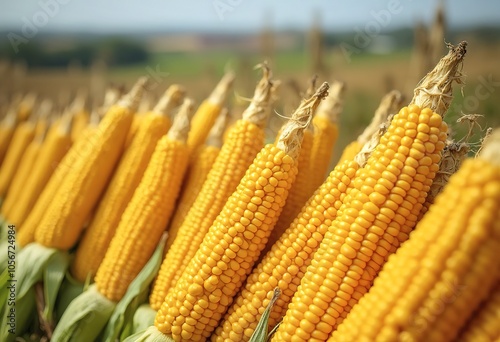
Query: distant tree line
{"points": [[113, 51]]}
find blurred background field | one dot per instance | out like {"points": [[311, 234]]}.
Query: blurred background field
{"points": [[56, 62]]}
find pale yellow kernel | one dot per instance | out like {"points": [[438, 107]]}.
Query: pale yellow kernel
{"points": [[267, 173], [423, 137], [195, 289], [377, 198], [413, 109], [348, 251], [435, 120], [430, 147], [407, 142]]}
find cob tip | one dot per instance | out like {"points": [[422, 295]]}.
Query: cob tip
{"points": [[182, 121], [217, 131], [79, 101], [66, 121], [257, 111], [132, 99], [332, 105], [292, 133], [389, 104], [219, 94], [369, 146], [172, 98], [434, 91]]}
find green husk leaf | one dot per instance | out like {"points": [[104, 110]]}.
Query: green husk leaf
{"points": [[84, 318], [70, 289], [260, 333], [25, 312], [33, 259], [136, 295], [53, 277], [144, 317], [151, 334], [30, 265]]}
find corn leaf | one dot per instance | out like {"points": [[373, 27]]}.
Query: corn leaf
{"points": [[260, 333], [53, 277], [152, 334], [70, 289], [84, 318], [144, 317], [17, 321], [30, 265], [135, 296]]}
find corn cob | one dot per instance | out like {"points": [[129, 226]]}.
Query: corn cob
{"points": [[22, 175], [191, 311], [299, 193], [23, 135], [53, 180], [131, 248], [126, 178], [27, 229], [201, 164], [208, 111], [483, 325], [172, 98], [243, 144], [285, 264], [385, 201], [389, 104], [436, 280], [63, 220], [55, 146], [326, 132]]}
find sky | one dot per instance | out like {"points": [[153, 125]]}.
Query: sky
{"points": [[115, 16]]}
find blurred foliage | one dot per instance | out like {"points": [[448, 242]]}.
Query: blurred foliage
{"points": [[113, 51]]}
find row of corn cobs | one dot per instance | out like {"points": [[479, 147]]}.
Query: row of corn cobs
{"points": [[389, 247]]}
